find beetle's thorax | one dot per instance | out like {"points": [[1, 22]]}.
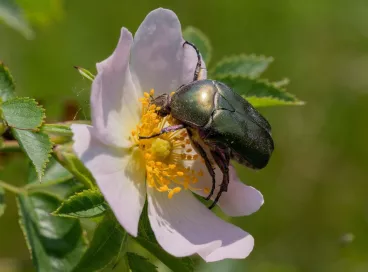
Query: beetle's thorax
{"points": [[163, 102]]}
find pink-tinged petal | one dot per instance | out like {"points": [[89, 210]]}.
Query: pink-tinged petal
{"points": [[236, 244], [239, 200], [120, 175], [159, 60], [184, 226], [114, 98]]}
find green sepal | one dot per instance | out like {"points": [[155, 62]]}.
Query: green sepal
{"points": [[250, 66], [55, 243], [2, 201], [37, 146], [85, 204], [138, 263], [256, 88], [200, 40], [23, 113], [85, 73], [7, 86], [106, 247]]}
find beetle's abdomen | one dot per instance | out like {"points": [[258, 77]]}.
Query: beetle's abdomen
{"points": [[193, 104]]}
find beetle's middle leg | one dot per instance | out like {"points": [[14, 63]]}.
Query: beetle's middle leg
{"points": [[199, 62], [164, 130], [222, 159]]}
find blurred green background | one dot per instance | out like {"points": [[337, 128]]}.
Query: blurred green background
{"points": [[315, 186]]}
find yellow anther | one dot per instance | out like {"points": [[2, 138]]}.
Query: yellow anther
{"points": [[172, 93], [174, 191], [152, 92], [163, 188], [206, 190], [164, 154], [195, 156], [200, 173]]}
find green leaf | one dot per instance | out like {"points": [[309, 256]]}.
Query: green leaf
{"points": [[85, 73], [37, 146], [55, 243], [106, 247], [200, 40], [2, 201], [54, 173], [259, 102], [7, 85], [268, 93], [65, 155], [12, 15], [56, 180], [251, 66], [138, 263], [88, 203], [23, 113]]}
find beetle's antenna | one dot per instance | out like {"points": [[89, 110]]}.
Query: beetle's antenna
{"points": [[199, 62]]}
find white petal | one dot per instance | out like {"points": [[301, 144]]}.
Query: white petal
{"points": [[114, 99], [119, 175], [159, 60], [183, 226], [239, 200]]}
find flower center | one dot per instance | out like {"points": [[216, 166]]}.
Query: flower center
{"points": [[161, 148], [166, 154]]}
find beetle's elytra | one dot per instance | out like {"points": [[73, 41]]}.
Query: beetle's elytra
{"points": [[221, 124]]}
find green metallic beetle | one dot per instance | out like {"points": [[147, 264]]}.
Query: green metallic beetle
{"points": [[221, 125]]}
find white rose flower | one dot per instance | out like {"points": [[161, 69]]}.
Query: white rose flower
{"points": [[164, 169]]}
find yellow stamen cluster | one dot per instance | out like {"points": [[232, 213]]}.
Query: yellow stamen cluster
{"points": [[164, 154]]}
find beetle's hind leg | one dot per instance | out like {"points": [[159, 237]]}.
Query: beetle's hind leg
{"points": [[199, 62], [222, 159], [207, 162]]}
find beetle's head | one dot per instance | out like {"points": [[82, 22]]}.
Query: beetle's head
{"points": [[163, 101]]}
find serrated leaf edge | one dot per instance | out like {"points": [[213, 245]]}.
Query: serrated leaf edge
{"points": [[264, 81], [7, 71], [231, 58], [26, 99], [64, 202], [282, 102], [42, 173]]}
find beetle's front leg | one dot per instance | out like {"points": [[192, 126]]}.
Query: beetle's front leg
{"points": [[164, 130], [199, 62], [222, 159]]}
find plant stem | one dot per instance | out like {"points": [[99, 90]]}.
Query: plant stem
{"points": [[10, 146], [10, 188]]}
